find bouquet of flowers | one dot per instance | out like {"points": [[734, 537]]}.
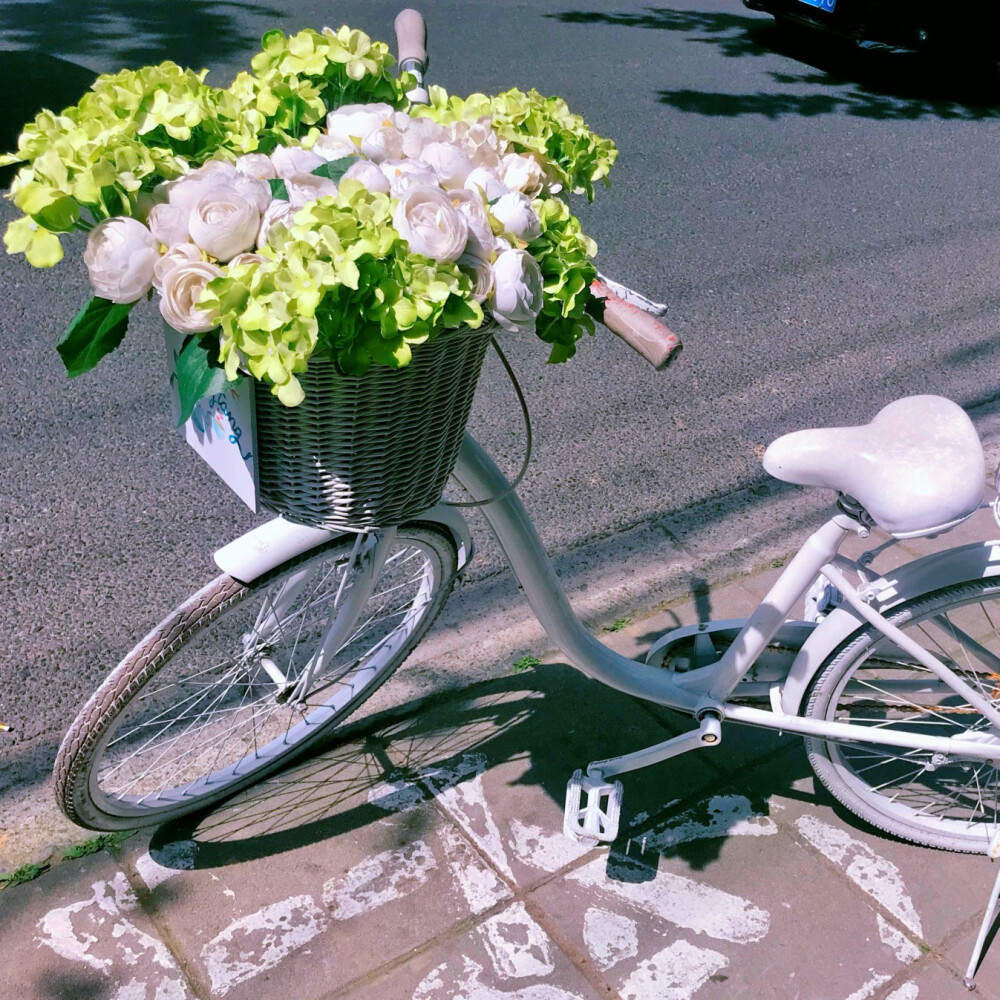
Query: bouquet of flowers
{"points": [[309, 207]]}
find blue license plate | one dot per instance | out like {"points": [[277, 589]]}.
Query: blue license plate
{"points": [[821, 4]]}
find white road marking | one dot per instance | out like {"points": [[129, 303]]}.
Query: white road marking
{"points": [[379, 880], [872, 873], [95, 933], [467, 985], [676, 973], [480, 885], [728, 816], [260, 941], [870, 987], [516, 944], [459, 790], [543, 849], [682, 901], [610, 937], [906, 951], [908, 991], [169, 861]]}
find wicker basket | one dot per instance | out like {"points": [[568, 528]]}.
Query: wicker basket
{"points": [[369, 451]]}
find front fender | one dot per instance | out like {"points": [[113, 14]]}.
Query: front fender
{"points": [[975, 561], [268, 546]]}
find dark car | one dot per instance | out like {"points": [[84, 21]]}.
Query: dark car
{"points": [[970, 31]]}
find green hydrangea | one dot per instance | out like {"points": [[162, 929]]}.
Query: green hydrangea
{"points": [[338, 279], [532, 123], [564, 255]]}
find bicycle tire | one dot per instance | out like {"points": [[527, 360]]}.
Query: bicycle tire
{"points": [[201, 707], [950, 803]]}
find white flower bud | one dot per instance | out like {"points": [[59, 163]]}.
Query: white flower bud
{"points": [[121, 256], [182, 287]]}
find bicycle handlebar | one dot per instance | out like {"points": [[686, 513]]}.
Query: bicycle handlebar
{"points": [[411, 39], [645, 334], [641, 331]]}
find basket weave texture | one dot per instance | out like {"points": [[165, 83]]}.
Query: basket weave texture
{"points": [[373, 450]]}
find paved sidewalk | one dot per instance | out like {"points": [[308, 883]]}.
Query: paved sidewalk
{"points": [[425, 860]]}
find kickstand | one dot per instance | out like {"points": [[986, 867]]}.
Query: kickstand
{"points": [[988, 918]]}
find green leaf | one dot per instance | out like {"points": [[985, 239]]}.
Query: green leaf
{"points": [[96, 330], [278, 188], [197, 376], [334, 169]]}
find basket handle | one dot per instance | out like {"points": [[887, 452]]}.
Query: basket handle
{"points": [[642, 332]]}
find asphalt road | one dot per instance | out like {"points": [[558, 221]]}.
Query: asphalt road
{"points": [[823, 223]]}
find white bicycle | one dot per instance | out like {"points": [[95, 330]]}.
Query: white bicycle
{"points": [[894, 683]]}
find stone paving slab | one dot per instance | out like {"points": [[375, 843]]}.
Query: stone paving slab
{"points": [[424, 859], [80, 933]]}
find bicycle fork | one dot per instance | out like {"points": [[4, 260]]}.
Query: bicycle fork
{"points": [[364, 567]]}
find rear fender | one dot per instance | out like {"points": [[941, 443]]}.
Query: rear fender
{"points": [[268, 546], [976, 561]]}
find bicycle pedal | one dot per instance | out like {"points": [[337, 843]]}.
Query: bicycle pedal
{"points": [[593, 809]]}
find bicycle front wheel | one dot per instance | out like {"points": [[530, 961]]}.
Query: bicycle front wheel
{"points": [[945, 801], [208, 703]]}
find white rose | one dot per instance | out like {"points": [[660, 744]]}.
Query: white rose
{"points": [[221, 171], [169, 224], [383, 143], [481, 273], [182, 287], [449, 163], [488, 181], [369, 175], [352, 122], [419, 132], [247, 258], [517, 293], [334, 147], [406, 174], [224, 223], [291, 160], [121, 256], [481, 240], [478, 141], [256, 165], [256, 191], [278, 213], [304, 188], [432, 226], [522, 173], [180, 253], [185, 192], [517, 217]]}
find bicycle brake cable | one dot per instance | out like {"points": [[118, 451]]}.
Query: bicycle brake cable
{"points": [[527, 436]]}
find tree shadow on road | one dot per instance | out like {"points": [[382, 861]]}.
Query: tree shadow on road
{"points": [[111, 33], [881, 85]]}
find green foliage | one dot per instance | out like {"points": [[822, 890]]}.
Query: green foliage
{"points": [[95, 844], [337, 279], [26, 873], [197, 375], [618, 624], [525, 663], [96, 330]]}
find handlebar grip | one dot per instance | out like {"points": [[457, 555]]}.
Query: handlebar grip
{"points": [[411, 39], [642, 332]]}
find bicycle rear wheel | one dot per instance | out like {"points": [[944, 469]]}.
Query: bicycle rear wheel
{"points": [[206, 704], [950, 802]]}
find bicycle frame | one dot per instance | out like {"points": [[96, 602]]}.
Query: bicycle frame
{"points": [[704, 693]]}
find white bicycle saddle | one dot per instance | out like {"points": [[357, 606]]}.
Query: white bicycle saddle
{"points": [[917, 468]]}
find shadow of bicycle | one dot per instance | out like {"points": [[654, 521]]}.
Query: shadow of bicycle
{"points": [[528, 730]]}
